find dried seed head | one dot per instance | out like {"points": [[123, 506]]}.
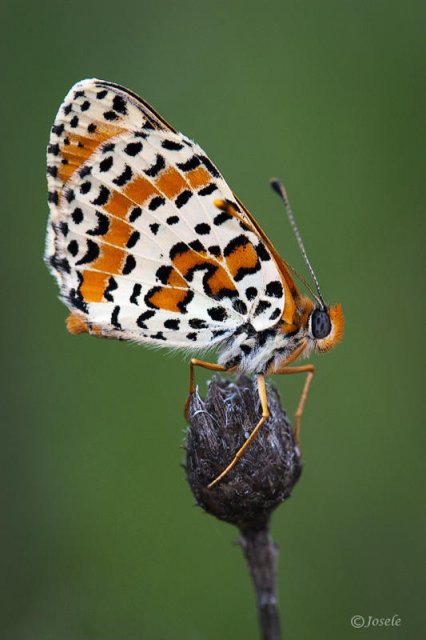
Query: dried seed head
{"points": [[267, 472]]}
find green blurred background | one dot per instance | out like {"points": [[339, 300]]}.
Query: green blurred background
{"points": [[99, 535]]}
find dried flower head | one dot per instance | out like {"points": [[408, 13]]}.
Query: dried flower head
{"points": [[267, 472]]}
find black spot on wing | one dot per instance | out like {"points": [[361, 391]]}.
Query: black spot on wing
{"points": [[274, 289], [215, 251], [77, 215], [129, 265], [202, 228], [73, 248], [110, 116], [178, 249], [183, 198], [158, 336], [133, 148], [155, 169], [53, 197], [217, 313], [262, 252], [85, 171], [106, 164], [221, 218], [91, 254], [251, 293], [275, 315], [240, 307], [58, 129], [133, 239], [102, 225], [146, 315], [135, 213], [209, 166], [112, 286], [196, 245], [124, 177], [261, 307], [171, 145], [137, 288], [163, 273], [103, 196], [53, 149], [85, 187], [206, 191], [63, 226], [119, 104], [69, 195], [197, 323], [114, 318], [156, 202], [172, 324], [190, 164]]}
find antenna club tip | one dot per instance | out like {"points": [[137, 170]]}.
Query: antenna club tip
{"points": [[279, 188], [276, 185]]}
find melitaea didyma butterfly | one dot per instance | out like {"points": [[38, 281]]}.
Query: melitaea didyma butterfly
{"points": [[149, 244]]}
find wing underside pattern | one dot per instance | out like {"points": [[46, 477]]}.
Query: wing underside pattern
{"points": [[146, 240]]}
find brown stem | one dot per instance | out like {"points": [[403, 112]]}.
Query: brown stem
{"points": [[261, 554]]}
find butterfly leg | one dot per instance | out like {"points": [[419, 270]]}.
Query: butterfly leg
{"points": [[309, 369], [198, 363], [261, 385]]}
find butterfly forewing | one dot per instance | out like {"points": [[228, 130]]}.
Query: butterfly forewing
{"points": [[137, 240]]}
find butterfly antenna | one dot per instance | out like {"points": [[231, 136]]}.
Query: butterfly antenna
{"points": [[278, 187]]}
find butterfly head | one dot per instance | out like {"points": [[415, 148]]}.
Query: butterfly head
{"points": [[325, 326]]}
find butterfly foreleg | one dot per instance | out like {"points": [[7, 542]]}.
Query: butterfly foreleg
{"points": [[261, 385], [309, 369]]}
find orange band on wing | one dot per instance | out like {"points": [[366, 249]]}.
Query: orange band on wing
{"points": [[168, 299], [242, 257], [118, 233], [171, 183], [220, 281], [118, 205], [139, 190], [198, 177], [110, 261], [93, 285]]}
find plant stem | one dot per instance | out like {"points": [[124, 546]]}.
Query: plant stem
{"points": [[261, 554]]}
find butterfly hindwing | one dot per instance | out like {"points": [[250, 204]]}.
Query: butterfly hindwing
{"points": [[139, 241]]}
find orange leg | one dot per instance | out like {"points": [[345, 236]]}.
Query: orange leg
{"points": [[205, 365], [265, 415], [309, 369]]}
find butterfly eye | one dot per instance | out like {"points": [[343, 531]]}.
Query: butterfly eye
{"points": [[321, 325]]}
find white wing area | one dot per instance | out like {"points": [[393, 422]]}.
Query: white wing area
{"points": [[145, 238]]}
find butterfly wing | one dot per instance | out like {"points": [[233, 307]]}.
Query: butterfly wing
{"points": [[137, 241]]}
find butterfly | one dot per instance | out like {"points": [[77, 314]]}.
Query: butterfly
{"points": [[149, 244]]}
